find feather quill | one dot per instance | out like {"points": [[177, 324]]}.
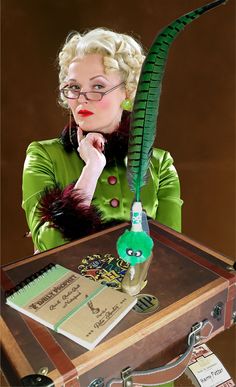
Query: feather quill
{"points": [[146, 103]]}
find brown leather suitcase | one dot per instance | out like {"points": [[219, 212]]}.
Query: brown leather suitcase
{"points": [[196, 290]]}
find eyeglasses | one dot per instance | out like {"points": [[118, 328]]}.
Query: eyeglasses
{"points": [[71, 93]]}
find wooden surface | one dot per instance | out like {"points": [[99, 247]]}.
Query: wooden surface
{"points": [[222, 345], [187, 292]]}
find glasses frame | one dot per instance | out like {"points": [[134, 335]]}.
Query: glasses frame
{"points": [[84, 93]]}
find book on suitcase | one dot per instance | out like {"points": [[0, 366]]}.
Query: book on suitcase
{"points": [[70, 304]]}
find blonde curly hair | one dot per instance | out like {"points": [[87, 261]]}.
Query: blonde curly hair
{"points": [[120, 52]]}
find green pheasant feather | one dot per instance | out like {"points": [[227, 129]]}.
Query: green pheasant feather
{"points": [[146, 103]]}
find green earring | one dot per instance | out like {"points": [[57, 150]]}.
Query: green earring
{"points": [[127, 104]]}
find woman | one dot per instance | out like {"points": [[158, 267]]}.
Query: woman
{"points": [[76, 184]]}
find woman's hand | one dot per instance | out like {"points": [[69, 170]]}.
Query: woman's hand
{"points": [[91, 150]]}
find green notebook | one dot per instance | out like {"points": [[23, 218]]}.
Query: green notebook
{"points": [[70, 304]]}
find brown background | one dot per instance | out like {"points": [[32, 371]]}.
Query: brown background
{"points": [[196, 121]]}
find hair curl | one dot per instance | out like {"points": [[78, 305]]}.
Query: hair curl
{"points": [[120, 52]]}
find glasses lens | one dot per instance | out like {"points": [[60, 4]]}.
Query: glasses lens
{"points": [[68, 93], [94, 96]]}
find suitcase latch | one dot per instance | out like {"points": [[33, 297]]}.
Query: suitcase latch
{"points": [[217, 311], [127, 377], [195, 331], [99, 382], [39, 379]]}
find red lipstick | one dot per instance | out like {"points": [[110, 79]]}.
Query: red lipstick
{"points": [[85, 113]]}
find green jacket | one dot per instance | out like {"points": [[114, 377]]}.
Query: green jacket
{"points": [[47, 163]]}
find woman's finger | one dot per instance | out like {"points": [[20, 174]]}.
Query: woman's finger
{"points": [[97, 140]]}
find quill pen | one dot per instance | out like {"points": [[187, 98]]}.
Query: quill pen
{"points": [[135, 246], [146, 103]]}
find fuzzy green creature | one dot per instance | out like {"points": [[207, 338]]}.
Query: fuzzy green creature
{"points": [[134, 247]]}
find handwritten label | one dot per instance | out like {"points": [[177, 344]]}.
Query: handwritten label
{"points": [[107, 315], [207, 369], [74, 292]]}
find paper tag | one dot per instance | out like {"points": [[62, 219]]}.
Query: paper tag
{"points": [[206, 369]]}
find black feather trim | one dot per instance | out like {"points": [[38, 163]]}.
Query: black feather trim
{"points": [[69, 137], [116, 146], [65, 211]]}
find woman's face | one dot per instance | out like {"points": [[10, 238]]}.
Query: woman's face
{"points": [[87, 74]]}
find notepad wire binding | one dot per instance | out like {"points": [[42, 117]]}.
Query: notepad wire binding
{"points": [[21, 286]]}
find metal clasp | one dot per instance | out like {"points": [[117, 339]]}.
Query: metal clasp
{"points": [[99, 382], [127, 377], [196, 328], [217, 311], [43, 371], [39, 379]]}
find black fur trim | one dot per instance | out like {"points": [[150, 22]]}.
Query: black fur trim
{"points": [[116, 146]]}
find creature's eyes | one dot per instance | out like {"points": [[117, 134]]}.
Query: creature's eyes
{"points": [[138, 253], [129, 251]]}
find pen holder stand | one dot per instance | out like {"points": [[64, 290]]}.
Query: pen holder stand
{"points": [[135, 247], [135, 277]]}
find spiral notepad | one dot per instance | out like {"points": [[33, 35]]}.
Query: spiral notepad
{"points": [[68, 303]]}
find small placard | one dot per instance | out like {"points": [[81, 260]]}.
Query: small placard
{"points": [[206, 370]]}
